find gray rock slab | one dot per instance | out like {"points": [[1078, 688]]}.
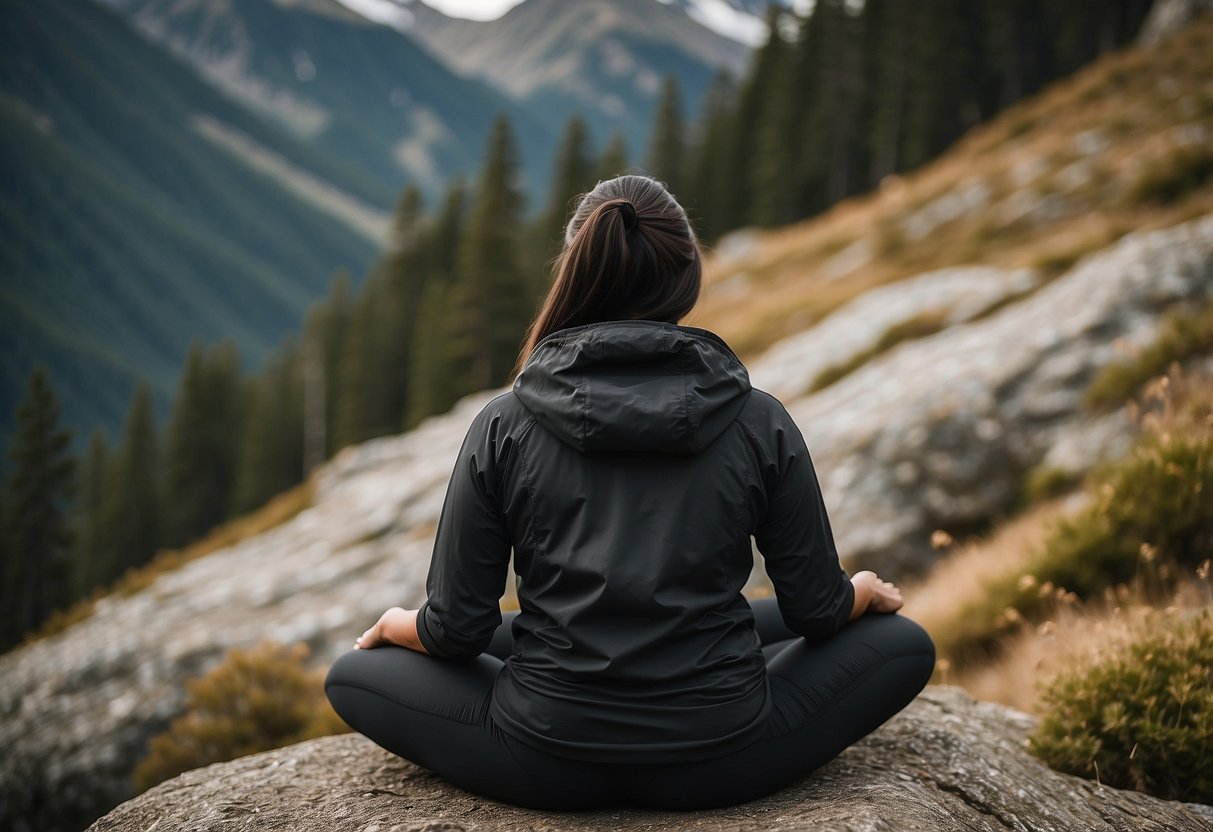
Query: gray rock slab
{"points": [[946, 763]]}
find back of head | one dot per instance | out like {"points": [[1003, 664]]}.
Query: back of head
{"points": [[629, 253]]}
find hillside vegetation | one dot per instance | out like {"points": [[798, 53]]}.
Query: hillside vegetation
{"points": [[1122, 146], [127, 230]]}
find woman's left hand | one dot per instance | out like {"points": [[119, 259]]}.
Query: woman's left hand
{"points": [[396, 626]]}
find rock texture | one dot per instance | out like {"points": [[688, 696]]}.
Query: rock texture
{"points": [[945, 763], [935, 433], [1167, 17], [939, 432]]}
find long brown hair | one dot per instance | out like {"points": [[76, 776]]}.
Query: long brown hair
{"points": [[629, 252]]}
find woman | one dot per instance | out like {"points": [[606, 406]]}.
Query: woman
{"points": [[627, 469]]}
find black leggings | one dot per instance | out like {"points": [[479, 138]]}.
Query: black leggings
{"points": [[435, 712]]}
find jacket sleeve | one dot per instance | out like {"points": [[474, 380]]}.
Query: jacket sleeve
{"points": [[471, 552], [814, 592]]}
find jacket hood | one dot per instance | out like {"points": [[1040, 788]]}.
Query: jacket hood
{"points": [[634, 385]]}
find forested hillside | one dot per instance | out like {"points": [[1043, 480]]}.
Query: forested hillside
{"points": [[353, 88], [129, 228]]}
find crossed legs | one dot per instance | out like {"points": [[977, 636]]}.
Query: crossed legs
{"points": [[825, 696]]}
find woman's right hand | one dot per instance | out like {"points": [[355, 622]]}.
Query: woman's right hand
{"points": [[874, 595]]}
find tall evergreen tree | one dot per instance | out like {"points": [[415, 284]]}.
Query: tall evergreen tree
{"points": [[431, 389], [319, 356], [571, 173], [777, 150], [491, 302], [200, 444], [36, 529], [753, 102], [135, 493], [362, 402], [402, 273], [94, 557], [271, 449], [667, 146], [614, 159], [707, 196]]}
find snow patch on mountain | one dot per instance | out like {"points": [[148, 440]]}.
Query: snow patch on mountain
{"points": [[734, 20]]}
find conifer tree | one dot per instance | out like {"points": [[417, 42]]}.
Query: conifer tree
{"points": [[490, 302], [614, 159], [750, 109], [402, 272], [135, 518], [777, 150], [571, 173], [434, 389], [667, 146], [271, 455], [319, 356], [94, 557], [706, 186], [200, 445], [431, 389], [362, 399], [37, 536]]}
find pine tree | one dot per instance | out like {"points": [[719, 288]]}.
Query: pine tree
{"points": [[94, 557], [319, 356], [750, 109], [36, 531], [135, 493], [571, 173], [706, 197], [401, 274], [271, 456], [434, 389], [490, 302], [201, 443], [667, 146], [776, 147], [431, 390], [614, 159], [362, 401]]}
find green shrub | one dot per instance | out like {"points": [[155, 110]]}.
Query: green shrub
{"points": [[1182, 333], [254, 700], [1171, 176], [1149, 522], [1044, 482], [1139, 719]]}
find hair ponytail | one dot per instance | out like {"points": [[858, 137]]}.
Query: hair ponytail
{"points": [[629, 252]]}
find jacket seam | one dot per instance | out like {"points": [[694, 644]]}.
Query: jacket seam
{"points": [[536, 548], [759, 455]]}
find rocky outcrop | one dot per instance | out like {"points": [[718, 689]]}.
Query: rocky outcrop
{"points": [[1167, 17], [935, 433], [945, 763], [939, 432]]}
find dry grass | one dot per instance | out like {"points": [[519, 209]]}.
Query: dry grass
{"points": [[965, 572], [1077, 636], [1087, 144], [274, 513]]}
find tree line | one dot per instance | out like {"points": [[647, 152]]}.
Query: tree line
{"points": [[833, 102]]}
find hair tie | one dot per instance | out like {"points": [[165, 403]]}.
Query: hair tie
{"points": [[628, 211]]}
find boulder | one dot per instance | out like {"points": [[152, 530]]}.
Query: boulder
{"points": [[946, 762]]}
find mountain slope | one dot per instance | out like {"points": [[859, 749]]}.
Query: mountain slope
{"points": [[604, 59], [1121, 146], [127, 229], [352, 87]]}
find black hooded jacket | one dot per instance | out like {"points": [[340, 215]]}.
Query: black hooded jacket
{"points": [[627, 469]]}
